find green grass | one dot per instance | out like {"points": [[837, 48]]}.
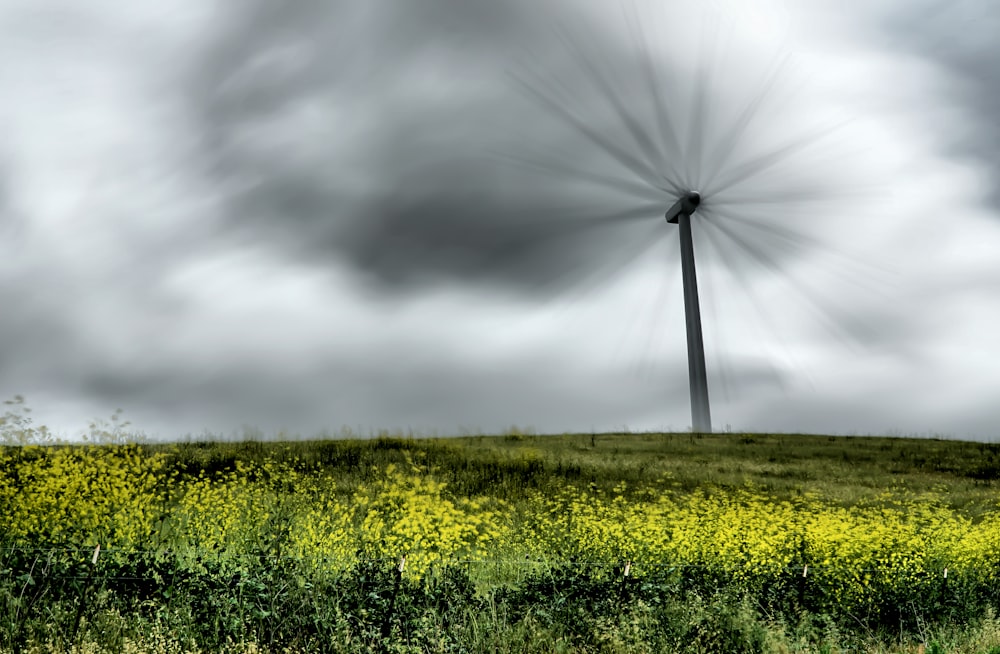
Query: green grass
{"points": [[842, 469]]}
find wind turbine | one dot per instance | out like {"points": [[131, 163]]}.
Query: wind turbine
{"points": [[663, 168], [680, 215]]}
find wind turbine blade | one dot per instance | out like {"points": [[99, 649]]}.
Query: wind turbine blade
{"points": [[799, 243], [757, 254], [730, 258], [768, 160], [636, 166], [779, 198], [667, 131], [644, 211], [659, 307], [639, 134], [574, 172], [734, 135], [694, 153], [792, 237], [586, 277], [568, 222]]}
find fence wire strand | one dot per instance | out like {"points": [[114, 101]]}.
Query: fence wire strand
{"points": [[803, 569]]}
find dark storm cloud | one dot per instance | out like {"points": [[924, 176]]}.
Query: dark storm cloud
{"points": [[421, 93], [960, 35], [380, 135]]}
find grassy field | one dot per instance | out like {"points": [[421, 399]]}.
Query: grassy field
{"points": [[512, 543], [842, 469]]}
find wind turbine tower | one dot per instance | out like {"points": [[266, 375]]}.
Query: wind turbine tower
{"points": [[680, 214]]}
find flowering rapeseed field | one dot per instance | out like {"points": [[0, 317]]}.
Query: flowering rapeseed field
{"points": [[211, 518], [122, 497]]}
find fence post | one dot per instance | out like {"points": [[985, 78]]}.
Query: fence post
{"points": [[83, 594], [802, 585], [624, 584]]}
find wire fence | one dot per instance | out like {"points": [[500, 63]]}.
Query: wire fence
{"points": [[94, 555]]}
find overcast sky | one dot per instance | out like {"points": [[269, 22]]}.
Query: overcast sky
{"points": [[447, 215]]}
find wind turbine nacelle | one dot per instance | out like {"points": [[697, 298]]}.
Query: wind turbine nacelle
{"points": [[687, 205]]}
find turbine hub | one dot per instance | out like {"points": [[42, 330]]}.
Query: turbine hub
{"points": [[687, 204], [691, 201]]}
